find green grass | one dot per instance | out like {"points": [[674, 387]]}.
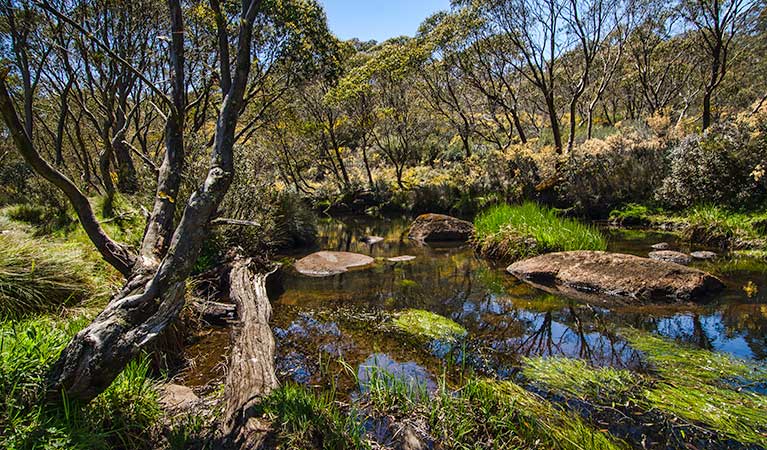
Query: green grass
{"points": [[575, 378], [121, 417], [40, 275], [514, 232], [305, 419], [631, 214], [428, 326]]}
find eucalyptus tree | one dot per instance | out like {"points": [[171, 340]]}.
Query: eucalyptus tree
{"points": [[156, 272], [717, 23]]}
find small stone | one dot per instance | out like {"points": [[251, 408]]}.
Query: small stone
{"points": [[660, 246], [440, 228], [403, 258], [671, 256], [372, 240], [705, 255], [176, 396]]}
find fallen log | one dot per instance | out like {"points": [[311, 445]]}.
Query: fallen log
{"points": [[251, 374]]}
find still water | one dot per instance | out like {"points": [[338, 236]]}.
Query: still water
{"points": [[319, 322]]}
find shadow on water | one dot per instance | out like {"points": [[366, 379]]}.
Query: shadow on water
{"points": [[319, 322]]}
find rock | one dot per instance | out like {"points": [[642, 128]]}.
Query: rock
{"points": [[627, 277], [176, 396], [705, 255], [372, 240], [671, 256], [409, 439], [325, 264], [660, 246], [440, 228], [403, 258]]}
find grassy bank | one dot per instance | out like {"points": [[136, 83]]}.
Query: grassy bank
{"points": [[509, 232], [703, 225]]}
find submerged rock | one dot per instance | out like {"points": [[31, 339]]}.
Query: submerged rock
{"points": [[607, 274], [429, 326], [660, 246], [371, 240], [440, 228], [325, 264], [403, 258], [705, 255], [671, 256]]}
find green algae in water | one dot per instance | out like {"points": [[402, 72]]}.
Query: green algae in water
{"points": [[678, 362], [575, 378], [425, 324]]}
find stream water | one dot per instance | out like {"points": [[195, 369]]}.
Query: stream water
{"points": [[320, 321]]}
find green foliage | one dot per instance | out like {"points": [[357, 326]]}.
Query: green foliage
{"points": [[308, 420], [574, 378], [41, 275], [122, 416], [514, 232], [427, 325], [631, 215]]}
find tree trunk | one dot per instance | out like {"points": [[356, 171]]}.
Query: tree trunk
{"points": [[706, 109], [554, 122], [251, 374]]}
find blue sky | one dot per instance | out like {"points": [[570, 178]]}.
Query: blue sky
{"points": [[379, 19]]}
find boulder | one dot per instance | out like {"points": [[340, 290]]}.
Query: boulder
{"points": [[440, 228], [603, 275], [325, 264], [704, 255], [660, 246], [671, 256]]}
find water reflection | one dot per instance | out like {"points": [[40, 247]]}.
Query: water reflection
{"points": [[345, 316]]}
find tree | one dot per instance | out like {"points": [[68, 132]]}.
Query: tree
{"points": [[717, 23]]}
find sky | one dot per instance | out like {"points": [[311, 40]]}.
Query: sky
{"points": [[379, 19]]}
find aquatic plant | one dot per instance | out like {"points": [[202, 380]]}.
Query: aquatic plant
{"points": [[514, 232], [427, 325], [575, 378]]}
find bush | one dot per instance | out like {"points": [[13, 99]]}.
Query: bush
{"points": [[718, 167], [515, 232], [602, 175]]}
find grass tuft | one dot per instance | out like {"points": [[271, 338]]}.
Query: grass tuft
{"points": [[519, 231]]}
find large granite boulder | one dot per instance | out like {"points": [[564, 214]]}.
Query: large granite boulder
{"points": [[603, 275], [325, 264], [440, 228]]}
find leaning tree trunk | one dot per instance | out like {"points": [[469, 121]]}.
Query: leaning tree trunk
{"points": [[251, 374]]}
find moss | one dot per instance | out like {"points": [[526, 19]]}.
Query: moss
{"points": [[429, 326]]}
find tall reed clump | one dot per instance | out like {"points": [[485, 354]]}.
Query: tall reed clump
{"points": [[42, 276], [512, 232]]}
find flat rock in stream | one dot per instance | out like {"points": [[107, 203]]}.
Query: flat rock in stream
{"points": [[671, 256], [440, 228], [403, 258], [605, 274], [372, 240], [325, 264]]}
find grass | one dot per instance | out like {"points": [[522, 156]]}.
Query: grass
{"points": [[121, 417], [305, 419], [514, 232], [428, 326], [44, 276], [689, 386]]}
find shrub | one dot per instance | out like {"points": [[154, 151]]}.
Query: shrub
{"points": [[717, 167], [515, 232], [602, 175]]}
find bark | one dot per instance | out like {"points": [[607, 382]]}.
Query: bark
{"points": [[251, 374]]}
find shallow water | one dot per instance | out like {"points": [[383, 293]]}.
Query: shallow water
{"points": [[321, 321]]}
